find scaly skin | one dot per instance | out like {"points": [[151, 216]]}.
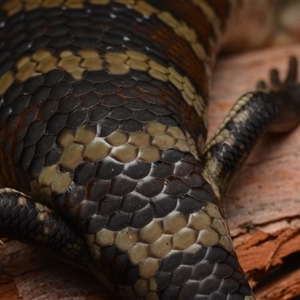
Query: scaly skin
{"points": [[102, 133]]}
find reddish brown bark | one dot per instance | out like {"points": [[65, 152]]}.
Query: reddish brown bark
{"points": [[263, 203], [263, 206]]}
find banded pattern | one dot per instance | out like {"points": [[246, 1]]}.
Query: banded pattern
{"points": [[102, 126], [34, 221]]}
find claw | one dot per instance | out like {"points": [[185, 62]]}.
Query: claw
{"points": [[261, 85], [274, 78], [292, 74]]}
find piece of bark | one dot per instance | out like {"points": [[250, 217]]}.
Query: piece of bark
{"points": [[263, 205]]}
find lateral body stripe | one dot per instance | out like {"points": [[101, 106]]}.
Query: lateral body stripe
{"points": [[180, 28], [42, 62]]}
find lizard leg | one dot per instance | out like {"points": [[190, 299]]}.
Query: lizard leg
{"points": [[275, 108]]}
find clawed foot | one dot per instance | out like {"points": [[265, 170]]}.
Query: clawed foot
{"points": [[275, 83]]}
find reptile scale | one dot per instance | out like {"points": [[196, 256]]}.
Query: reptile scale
{"points": [[102, 140]]}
